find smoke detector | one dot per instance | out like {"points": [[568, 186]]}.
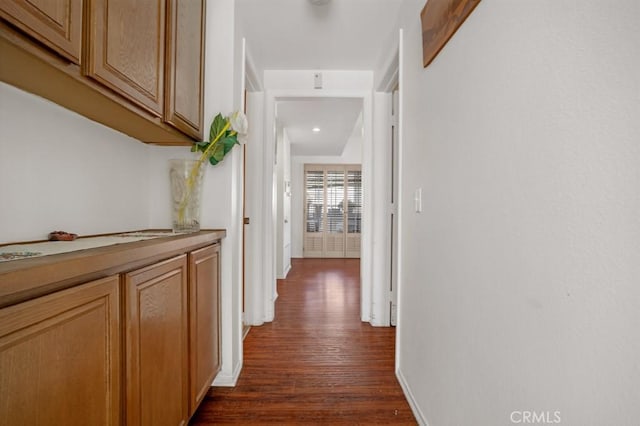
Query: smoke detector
{"points": [[319, 2]]}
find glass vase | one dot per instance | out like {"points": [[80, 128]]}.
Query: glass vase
{"points": [[186, 191]]}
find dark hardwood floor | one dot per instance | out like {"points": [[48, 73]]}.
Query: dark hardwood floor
{"points": [[317, 363]]}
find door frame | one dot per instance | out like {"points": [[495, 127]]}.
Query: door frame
{"points": [[268, 201]]}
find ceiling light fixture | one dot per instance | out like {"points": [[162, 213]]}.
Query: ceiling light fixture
{"points": [[315, 129]]}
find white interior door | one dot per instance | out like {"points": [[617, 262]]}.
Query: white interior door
{"points": [[394, 211]]}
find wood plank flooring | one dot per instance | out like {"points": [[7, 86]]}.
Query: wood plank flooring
{"points": [[317, 363]]}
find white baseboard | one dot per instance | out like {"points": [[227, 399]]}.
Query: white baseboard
{"points": [[226, 380], [417, 413], [376, 323], [286, 271]]}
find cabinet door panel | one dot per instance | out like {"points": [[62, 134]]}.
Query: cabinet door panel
{"points": [[185, 66], [157, 344], [125, 49], [56, 23], [204, 317], [60, 358]]}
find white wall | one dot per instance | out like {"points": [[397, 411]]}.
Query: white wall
{"points": [[519, 286], [60, 171], [352, 154], [223, 183]]}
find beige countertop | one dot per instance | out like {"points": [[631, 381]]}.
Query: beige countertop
{"points": [[62, 264], [13, 252]]}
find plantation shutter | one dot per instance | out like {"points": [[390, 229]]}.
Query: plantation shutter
{"points": [[334, 238], [332, 210], [314, 214], [354, 213]]}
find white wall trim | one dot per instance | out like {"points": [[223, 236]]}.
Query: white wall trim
{"points": [[400, 202], [253, 83], [286, 271], [228, 380], [254, 285], [381, 228], [269, 278], [366, 242], [268, 254], [415, 408], [390, 75]]}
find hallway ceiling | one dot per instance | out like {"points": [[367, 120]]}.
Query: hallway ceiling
{"points": [[337, 119], [298, 35], [295, 34]]}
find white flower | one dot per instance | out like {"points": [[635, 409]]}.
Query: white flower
{"points": [[240, 125]]}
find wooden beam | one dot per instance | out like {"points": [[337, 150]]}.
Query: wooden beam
{"points": [[440, 20]]}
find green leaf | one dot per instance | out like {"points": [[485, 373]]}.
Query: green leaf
{"points": [[228, 143], [213, 161], [216, 127], [194, 147], [218, 151], [202, 146]]}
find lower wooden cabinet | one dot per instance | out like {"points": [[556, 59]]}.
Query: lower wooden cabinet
{"points": [[60, 358], [204, 321], [156, 344], [137, 348]]}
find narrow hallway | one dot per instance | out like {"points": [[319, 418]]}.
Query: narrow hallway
{"points": [[317, 363]]}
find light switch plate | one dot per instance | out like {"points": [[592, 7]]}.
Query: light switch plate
{"points": [[418, 200], [317, 80]]}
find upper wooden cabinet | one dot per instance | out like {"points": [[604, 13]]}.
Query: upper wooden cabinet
{"points": [[56, 23], [185, 66], [137, 66], [124, 49]]}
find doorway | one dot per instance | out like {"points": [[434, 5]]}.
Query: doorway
{"points": [[267, 191]]}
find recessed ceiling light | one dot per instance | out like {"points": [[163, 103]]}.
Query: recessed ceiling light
{"points": [[315, 129]]}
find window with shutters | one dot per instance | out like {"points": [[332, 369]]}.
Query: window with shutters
{"points": [[354, 201], [333, 210], [315, 200]]}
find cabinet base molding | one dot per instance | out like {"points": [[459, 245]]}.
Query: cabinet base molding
{"points": [[228, 380]]}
